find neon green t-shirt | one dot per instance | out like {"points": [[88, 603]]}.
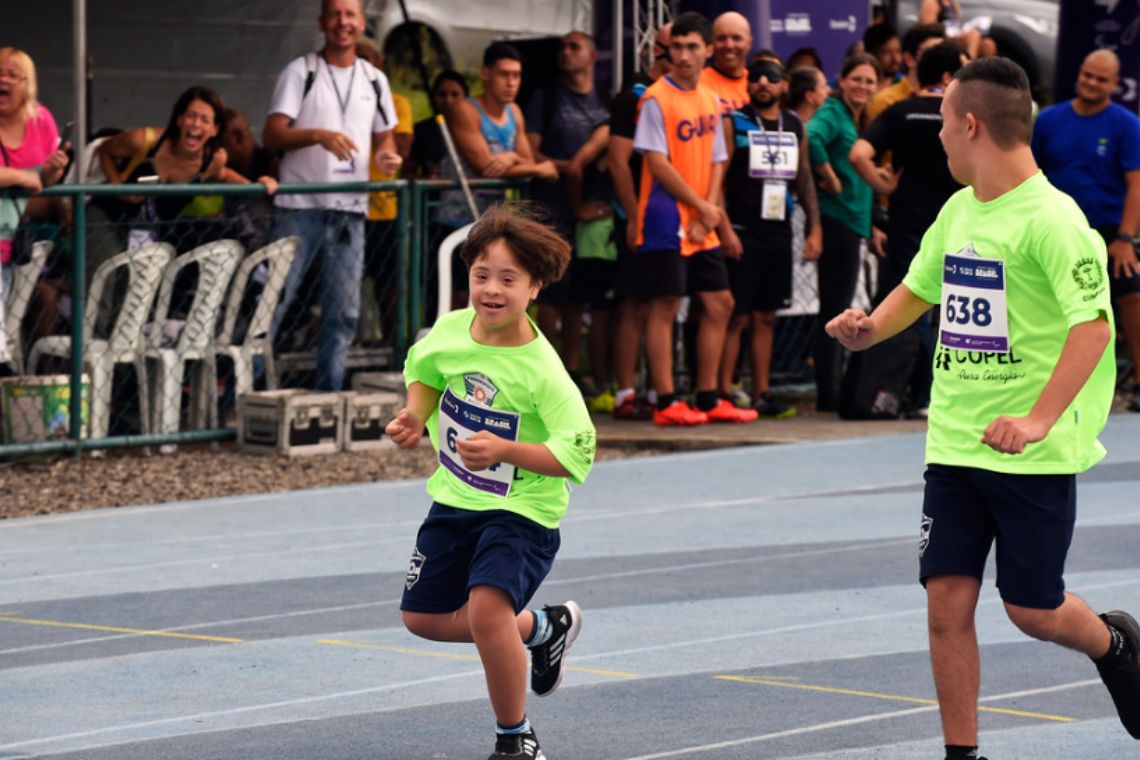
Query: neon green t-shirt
{"points": [[1055, 277], [529, 380]]}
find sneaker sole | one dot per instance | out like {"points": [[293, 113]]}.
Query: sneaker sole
{"points": [[571, 635], [1131, 629]]}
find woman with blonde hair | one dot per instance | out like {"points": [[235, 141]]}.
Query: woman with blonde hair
{"points": [[30, 156]]}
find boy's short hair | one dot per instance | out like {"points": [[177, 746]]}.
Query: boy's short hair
{"points": [[877, 35], [541, 251], [919, 33], [996, 90], [497, 51], [689, 22], [943, 58]]}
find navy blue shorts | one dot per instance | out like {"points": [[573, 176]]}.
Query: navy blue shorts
{"points": [[1031, 516], [457, 549]]}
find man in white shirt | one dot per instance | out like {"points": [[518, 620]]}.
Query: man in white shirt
{"points": [[329, 109]]}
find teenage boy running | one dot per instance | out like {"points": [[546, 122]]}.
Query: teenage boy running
{"points": [[1023, 381], [511, 428]]}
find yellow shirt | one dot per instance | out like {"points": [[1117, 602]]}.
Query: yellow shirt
{"points": [[900, 90], [382, 205]]}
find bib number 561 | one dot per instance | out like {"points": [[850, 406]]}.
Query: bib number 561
{"points": [[963, 310]]}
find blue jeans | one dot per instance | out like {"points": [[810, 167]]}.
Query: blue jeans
{"points": [[340, 236]]}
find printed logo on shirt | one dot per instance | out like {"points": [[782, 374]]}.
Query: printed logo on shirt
{"points": [[480, 389], [586, 443], [980, 366], [415, 567], [1088, 273], [1102, 146], [704, 125]]}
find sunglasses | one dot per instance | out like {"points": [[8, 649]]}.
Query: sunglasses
{"points": [[773, 71]]}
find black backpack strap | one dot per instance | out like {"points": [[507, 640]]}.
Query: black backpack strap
{"points": [[378, 89], [310, 73]]}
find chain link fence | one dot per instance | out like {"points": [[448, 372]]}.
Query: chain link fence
{"points": [[143, 329]]}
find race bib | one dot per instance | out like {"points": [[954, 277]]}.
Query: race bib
{"points": [[974, 316], [773, 155], [459, 420], [774, 201]]}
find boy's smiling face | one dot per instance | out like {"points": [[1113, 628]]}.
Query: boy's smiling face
{"points": [[501, 290]]}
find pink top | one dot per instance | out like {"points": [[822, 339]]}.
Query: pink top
{"points": [[41, 139]]}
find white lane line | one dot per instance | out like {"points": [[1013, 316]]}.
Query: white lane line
{"points": [[199, 626], [850, 722], [237, 558], [225, 538], [240, 710], [704, 642], [230, 502], [555, 582], [659, 569]]}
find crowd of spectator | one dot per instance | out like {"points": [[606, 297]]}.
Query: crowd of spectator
{"points": [[689, 196]]}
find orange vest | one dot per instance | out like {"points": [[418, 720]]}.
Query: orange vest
{"points": [[732, 91], [690, 119]]}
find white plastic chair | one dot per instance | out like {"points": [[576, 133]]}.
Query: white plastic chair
{"points": [[24, 278], [278, 257], [124, 344], [443, 258], [92, 171], [216, 263]]}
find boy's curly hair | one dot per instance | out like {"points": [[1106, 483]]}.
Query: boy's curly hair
{"points": [[540, 250]]}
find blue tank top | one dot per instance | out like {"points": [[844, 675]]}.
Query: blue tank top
{"points": [[499, 137]]}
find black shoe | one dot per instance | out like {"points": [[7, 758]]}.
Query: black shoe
{"points": [[523, 746], [773, 410], [546, 659], [1123, 678], [1134, 398]]}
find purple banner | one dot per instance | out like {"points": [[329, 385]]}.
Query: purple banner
{"points": [[1087, 25], [829, 26]]}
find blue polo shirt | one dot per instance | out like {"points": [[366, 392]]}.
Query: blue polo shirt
{"points": [[1086, 157]]}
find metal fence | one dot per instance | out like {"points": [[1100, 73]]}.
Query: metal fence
{"points": [[143, 330]]}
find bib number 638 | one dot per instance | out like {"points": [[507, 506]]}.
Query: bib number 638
{"points": [[963, 310]]}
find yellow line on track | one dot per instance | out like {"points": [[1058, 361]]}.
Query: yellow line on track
{"points": [[456, 656], [115, 629], [767, 681]]}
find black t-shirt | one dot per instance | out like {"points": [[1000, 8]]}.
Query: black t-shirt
{"points": [[623, 118], [744, 194], [428, 148], [909, 129], [572, 116]]}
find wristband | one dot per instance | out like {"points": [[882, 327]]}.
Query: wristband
{"points": [[1125, 238]]}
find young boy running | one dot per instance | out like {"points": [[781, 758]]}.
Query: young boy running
{"points": [[1023, 380], [510, 427]]}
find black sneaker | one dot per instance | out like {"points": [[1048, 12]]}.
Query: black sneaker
{"points": [[773, 410], [1134, 398], [546, 659], [524, 746], [1123, 679]]}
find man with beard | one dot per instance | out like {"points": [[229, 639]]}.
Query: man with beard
{"points": [[767, 161], [1089, 147]]}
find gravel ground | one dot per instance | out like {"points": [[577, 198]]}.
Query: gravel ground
{"points": [[123, 478]]}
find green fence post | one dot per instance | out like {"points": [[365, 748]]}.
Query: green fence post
{"points": [[78, 308], [402, 219]]}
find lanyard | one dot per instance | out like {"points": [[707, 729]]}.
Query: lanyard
{"points": [[336, 88], [779, 121]]}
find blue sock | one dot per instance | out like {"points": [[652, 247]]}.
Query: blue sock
{"points": [[521, 728], [542, 629]]}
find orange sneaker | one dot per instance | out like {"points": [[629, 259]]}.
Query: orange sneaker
{"points": [[679, 413], [726, 411]]}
